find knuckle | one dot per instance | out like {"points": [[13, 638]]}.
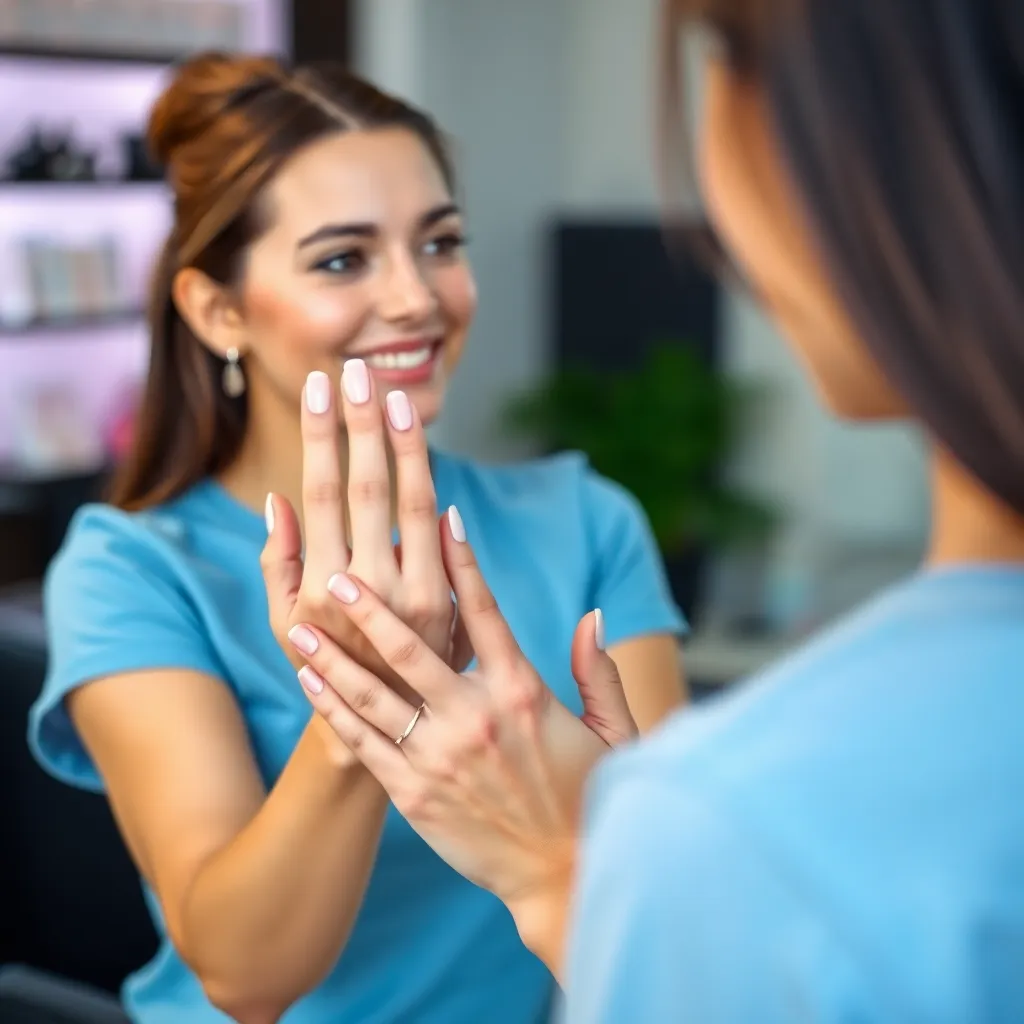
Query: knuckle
{"points": [[479, 733], [522, 693], [480, 601], [443, 769], [418, 506], [413, 804], [406, 654], [365, 698], [372, 491], [322, 492]]}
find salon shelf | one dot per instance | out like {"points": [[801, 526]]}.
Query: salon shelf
{"points": [[27, 183], [86, 54], [63, 325]]}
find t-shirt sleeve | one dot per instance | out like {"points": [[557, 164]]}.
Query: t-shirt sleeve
{"points": [[629, 583], [681, 918], [113, 603]]}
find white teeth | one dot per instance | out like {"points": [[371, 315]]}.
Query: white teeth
{"points": [[399, 360]]}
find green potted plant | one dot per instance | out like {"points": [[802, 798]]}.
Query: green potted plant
{"points": [[664, 431]]}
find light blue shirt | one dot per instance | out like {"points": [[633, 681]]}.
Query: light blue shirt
{"points": [[180, 586], [842, 841]]}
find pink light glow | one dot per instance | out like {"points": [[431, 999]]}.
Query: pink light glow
{"points": [[99, 102]]}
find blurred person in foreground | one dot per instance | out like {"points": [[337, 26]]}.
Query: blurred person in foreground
{"points": [[313, 299], [842, 839]]}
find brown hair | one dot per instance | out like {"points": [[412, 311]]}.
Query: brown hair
{"points": [[902, 126], [223, 128]]}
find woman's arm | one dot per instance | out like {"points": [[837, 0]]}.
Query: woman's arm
{"points": [[259, 891], [652, 676]]}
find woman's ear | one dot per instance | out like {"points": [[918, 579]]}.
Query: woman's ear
{"points": [[210, 310]]}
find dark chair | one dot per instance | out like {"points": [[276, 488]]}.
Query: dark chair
{"points": [[71, 897]]}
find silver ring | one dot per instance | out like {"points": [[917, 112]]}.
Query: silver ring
{"points": [[412, 724]]}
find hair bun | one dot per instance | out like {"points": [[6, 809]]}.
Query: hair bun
{"points": [[200, 92]]}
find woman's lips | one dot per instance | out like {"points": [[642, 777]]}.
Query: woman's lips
{"points": [[404, 365]]}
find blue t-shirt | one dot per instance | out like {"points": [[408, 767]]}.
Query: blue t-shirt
{"points": [[841, 841], [180, 586]]}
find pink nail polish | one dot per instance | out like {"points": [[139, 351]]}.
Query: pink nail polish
{"points": [[355, 379], [318, 392], [303, 639], [599, 629], [343, 588], [310, 680], [399, 410], [456, 525], [269, 514]]}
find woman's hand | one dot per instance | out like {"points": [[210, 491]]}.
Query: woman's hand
{"points": [[490, 767], [412, 582]]}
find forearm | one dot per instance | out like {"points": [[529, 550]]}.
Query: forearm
{"points": [[266, 918]]}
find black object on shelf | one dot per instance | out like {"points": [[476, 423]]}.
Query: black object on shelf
{"points": [[81, 322], [36, 51], [51, 156], [615, 292], [137, 160]]}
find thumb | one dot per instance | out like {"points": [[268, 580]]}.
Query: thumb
{"points": [[605, 710], [281, 560]]}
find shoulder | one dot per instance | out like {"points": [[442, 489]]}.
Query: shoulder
{"points": [[107, 541]]}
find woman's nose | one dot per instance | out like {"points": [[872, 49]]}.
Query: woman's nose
{"points": [[405, 294]]}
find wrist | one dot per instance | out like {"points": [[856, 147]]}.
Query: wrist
{"points": [[542, 919]]}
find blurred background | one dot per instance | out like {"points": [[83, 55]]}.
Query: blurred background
{"points": [[772, 518]]}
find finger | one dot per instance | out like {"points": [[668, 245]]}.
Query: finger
{"points": [[281, 558], [382, 758], [422, 569], [462, 647], [605, 709], [322, 493], [369, 480], [487, 629], [402, 650], [369, 697]]}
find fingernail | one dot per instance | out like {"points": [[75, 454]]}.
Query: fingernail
{"points": [[355, 379], [310, 680], [268, 513], [456, 525], [343, 588], [598, 629], [318, 392], [303, 639], [399, 410]]}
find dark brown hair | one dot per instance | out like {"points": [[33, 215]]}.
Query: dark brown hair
{"points": [[902, 126], [223, 128]]}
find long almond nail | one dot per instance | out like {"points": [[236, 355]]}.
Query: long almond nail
{"points": [[303, 639], [355, 379], [599, 629], [399, 410], [318, 392], [456, 525], [268, 513]]}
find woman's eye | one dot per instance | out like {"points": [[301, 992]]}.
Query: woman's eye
{"points": [[343, 263], [445, 245]]}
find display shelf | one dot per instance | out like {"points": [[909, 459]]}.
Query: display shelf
{"points": [[63, 325], [86, 54]]}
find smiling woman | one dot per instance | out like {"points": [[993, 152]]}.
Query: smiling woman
{"points": [[311, 303]]}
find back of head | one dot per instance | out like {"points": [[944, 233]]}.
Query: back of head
{"points": [[901, 124], [223, 129]]}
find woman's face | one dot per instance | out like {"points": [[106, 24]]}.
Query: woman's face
{"points": [[760, 221], [364, 257]]}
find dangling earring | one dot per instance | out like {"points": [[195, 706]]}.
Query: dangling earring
{"points": [[232, 380]]}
